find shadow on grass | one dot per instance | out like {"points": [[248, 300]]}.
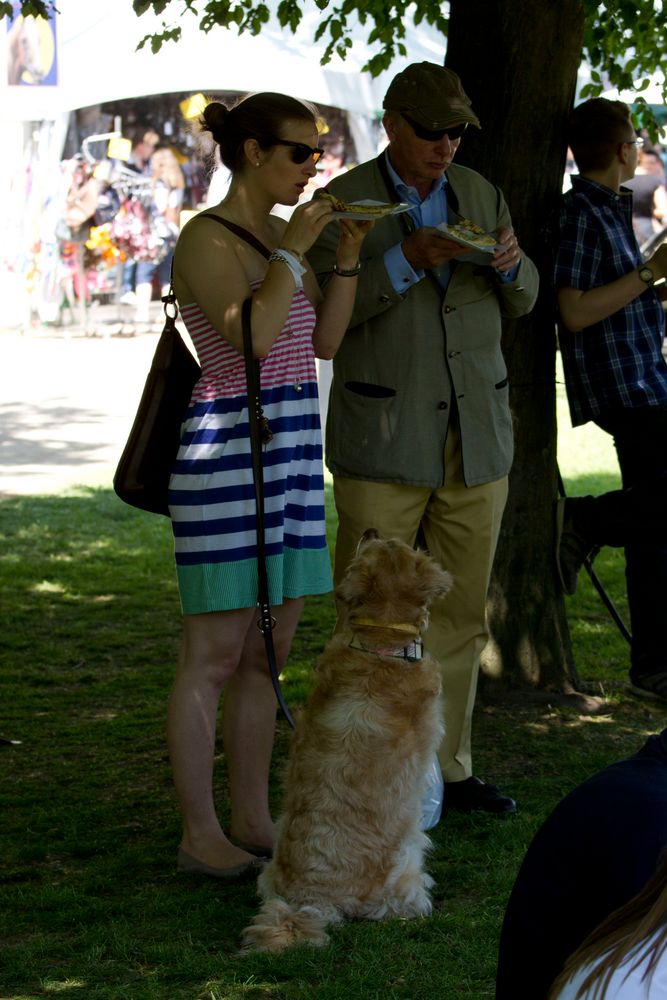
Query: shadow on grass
{"points": [[92, 906]]}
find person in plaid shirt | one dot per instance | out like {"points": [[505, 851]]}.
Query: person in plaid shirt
{"points": [[612, 326]]}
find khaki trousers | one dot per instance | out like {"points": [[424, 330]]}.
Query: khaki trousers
{"points": [[460, 525]]}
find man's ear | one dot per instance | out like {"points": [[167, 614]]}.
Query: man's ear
{"points": [[624, 152], [390, 124]]}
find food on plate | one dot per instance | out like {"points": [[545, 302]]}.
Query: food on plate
{"points": [[469, 232], [367, 208]]}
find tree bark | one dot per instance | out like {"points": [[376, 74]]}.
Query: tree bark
{"points": [[518, 61]]}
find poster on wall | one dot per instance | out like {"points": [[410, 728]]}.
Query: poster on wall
{"points": [[32, 59]]}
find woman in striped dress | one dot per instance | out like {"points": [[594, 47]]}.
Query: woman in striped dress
{"points": [[269, 142]]}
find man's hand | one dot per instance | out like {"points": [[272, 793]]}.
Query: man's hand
{"points": [[508, 254], [658, 262], [427, 248]]}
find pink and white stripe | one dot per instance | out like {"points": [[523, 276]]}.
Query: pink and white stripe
{"points": [[223, 371]]}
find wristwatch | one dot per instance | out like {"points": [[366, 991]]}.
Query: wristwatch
{"points": [[646, 274]]}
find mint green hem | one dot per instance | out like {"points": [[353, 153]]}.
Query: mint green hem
{"points": [[229, 586]]}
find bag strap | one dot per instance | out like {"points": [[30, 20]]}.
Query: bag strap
{"points": [[239, 231], [170, 305], [266, 622]]}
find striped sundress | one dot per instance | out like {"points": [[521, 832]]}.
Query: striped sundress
{"points": [[211, 493]]}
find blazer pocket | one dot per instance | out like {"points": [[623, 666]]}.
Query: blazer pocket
{"points": [[370, 389]]}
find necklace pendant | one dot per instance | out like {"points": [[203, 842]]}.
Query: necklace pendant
{"points": [[297, 386]]}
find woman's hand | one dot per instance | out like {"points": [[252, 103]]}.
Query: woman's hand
{"points": [[352, 234], [306, 224]]}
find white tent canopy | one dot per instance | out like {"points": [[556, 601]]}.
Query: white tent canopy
{"points": [[98, 62]]}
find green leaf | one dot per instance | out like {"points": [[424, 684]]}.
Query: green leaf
{"points": [[289, 14], [158, 6], [28, 8]]}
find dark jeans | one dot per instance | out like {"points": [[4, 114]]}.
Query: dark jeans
{"points": [[640, 438]]}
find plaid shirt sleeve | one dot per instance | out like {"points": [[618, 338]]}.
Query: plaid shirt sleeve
{"points": [[579, 253]]}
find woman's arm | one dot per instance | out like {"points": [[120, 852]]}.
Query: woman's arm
{"points": [[335, 309]]}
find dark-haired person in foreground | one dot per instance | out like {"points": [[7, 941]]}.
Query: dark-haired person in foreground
{"points": [[596, 850], [625, 957], [419, 430]]}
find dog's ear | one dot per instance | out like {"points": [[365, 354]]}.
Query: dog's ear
{"points": [[358, 584], [432, 580]]}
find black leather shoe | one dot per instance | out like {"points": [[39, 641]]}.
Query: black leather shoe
{"points": [[474, 795], [652, 686]]}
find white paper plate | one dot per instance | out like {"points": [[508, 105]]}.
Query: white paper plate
{"points": [[457, 238]]}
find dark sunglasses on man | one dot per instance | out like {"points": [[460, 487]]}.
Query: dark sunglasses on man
{"points": [[453, 133], [300, 151]]}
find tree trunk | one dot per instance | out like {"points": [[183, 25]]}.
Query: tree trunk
{"points": [[522, 83]]}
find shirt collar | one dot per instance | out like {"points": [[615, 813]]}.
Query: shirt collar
{"points": [[600, 194], [406, 191]]}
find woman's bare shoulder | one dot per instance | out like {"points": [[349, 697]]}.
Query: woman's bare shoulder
{"points": [[202, 228]]}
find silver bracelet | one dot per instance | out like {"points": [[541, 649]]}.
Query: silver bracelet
{"points": [[347, 272], [287, 257]]}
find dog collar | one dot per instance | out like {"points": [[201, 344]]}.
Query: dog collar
{"points": [[369, 623], [412, 652]]}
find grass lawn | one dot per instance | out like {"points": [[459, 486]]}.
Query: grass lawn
{"points": [[91, 907]]}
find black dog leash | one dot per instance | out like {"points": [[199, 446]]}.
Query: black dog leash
{"points": [[260, 433]]}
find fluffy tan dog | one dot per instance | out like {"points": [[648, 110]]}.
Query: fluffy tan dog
{"points": [[349, 843]]}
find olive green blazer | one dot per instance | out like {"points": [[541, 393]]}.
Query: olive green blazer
{"points": [[409, 360]]}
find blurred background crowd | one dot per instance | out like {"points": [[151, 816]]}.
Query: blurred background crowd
{"points": [[105, 233]]}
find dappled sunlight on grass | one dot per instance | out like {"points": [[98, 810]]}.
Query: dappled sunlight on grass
{"points": [[48, 587], [54, 986], [594, 720]]}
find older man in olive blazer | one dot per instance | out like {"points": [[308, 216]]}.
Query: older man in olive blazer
{"points": [[419, 431]]}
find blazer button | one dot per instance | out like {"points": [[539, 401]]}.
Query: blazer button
{"points": [[453, 354], [442, 405], [384, 298], [450, 309]]}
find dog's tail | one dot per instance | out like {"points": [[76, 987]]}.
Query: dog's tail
{"points": [[280, 925]]}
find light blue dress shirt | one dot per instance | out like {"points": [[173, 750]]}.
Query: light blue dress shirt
{"points": [[430, 211]]}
